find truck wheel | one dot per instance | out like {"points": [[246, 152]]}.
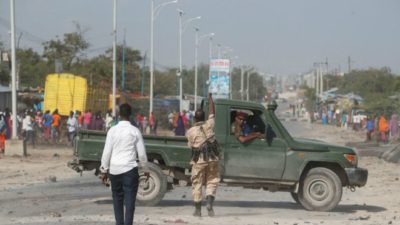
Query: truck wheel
{"points": [[295, 197], [321, 190], [151, 192]]}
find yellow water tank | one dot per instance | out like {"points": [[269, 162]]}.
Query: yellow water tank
{"points": [[65, 92]]}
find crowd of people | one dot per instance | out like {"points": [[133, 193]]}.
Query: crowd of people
{"points": [[35, 126], [179, 123], [378, 127]]}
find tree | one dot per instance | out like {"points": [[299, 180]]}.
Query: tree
{"points": [[31, 68], [69, 50], [99, 68]]}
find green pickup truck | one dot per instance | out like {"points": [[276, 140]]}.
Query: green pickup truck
{"points": [[312, 171]]}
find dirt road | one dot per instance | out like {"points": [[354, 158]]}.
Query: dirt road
{"points": [[42, 190]]}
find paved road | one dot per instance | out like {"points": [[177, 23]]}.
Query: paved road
{"points": [[82, 200]]}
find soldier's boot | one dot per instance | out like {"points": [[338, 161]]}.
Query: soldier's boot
{"points": [[210, 202], [197, 210]]}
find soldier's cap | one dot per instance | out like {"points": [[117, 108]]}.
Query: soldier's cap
{"points": [[241, 114]]}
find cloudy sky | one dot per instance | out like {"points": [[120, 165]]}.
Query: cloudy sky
{"points": [[276, 36]]}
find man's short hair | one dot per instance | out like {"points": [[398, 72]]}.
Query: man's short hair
{"points": [[199, 115], [125, 110]]}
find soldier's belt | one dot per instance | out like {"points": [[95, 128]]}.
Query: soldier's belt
{"points": [[208, 150]]}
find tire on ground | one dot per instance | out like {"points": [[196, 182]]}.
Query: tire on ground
{"points": [[321, 190], [151, 192]]}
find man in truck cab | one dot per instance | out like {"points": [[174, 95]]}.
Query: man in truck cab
{"points": [[244, 129], [205, 156]]}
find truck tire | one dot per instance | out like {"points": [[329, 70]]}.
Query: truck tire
{"points": [[321, 190], [151, 192]]}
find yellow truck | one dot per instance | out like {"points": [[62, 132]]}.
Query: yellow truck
{"points": [[65, 92]]}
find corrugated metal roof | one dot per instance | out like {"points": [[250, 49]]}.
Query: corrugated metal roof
{"points": [[5, 89]]}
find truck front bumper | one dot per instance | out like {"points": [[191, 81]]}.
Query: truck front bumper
{"points": [[357, 176]]}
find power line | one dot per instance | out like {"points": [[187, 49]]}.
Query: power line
{"points": [[27, 35]]}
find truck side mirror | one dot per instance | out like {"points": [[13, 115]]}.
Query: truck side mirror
{"points": [[272, 105], [269, 135]]}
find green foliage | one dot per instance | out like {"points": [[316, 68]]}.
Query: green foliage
{"points": [[31, 68], [69, 50], [257, 89], [375, 86], [309, 95]]}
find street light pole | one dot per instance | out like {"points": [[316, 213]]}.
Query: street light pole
{"points": [[248, 80], [13, 72], [210, 46], [231, 64], [153, 14], [182, 26], [219, 51], [180, 61], [114, 60], [195, 67], [241, 83], [197, 41]]}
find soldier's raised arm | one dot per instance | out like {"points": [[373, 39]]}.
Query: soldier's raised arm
{"points": [[211, 104]]}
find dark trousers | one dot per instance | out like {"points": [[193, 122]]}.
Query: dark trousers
{"points": [[29, 135], [124, 189]]}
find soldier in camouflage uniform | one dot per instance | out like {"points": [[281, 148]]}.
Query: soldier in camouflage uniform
{"points": [[205, 156]]}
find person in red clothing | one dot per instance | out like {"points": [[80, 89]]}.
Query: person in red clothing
{"points": [[87, 119], [3, 130], [152, 124], [80, 119]]}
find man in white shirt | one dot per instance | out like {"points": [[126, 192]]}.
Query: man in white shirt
{"points": [[27, 128], [124, 146], [72, 124], [109, 120], [356, 121]]}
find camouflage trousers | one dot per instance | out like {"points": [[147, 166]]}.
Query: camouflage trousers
{"points": [[207, 174]]}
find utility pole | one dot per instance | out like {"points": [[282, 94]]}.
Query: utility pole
{"points": [[349, 64], [321, 79], [153, 14], [114, 60], [13, 72], [179, 74], [241, 83], [316, 72], [123, 64], [143, 71], [195, 66]]}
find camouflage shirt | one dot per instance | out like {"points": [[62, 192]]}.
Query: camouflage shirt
{"points": [[196, 137]]}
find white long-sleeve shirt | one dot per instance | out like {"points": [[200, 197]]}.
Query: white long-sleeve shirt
{"points": [[124, 146], [27, 123]]}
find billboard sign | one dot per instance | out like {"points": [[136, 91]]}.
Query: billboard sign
{"points": [[219, 78]]}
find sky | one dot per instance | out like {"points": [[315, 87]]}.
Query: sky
{"points": [[283, 37]]}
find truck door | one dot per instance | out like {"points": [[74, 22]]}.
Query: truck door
{"points": [[256, 158]]}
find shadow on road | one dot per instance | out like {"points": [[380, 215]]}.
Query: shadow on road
{"points": [[348, 209], [245, 204], [356, 208]]}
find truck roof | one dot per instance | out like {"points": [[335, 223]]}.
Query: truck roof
{"points": [[245, 104], [238, 103]]}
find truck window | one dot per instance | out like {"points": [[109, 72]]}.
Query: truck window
{"points": [[255, 121]]}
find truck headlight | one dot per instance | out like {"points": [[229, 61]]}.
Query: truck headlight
{"points": [[352, 158]]}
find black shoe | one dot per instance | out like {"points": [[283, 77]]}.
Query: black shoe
{"points": [[210, 202], [197, 210]]}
